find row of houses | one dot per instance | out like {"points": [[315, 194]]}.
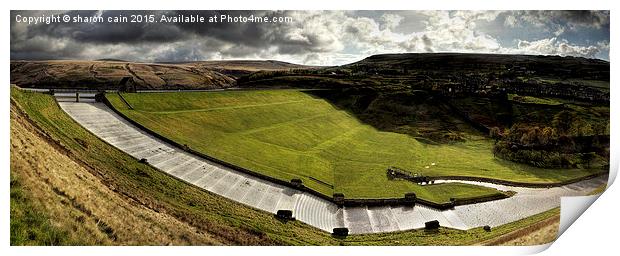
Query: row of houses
{"points": [[480, 85]]}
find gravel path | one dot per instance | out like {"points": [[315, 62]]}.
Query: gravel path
{"points": [[310, 209]]}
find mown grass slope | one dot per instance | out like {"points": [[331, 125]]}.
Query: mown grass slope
{"points": [[57, 200], [96, 177], [290, 134]]}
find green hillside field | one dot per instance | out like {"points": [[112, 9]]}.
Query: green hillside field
{"points": [[290, 134]]}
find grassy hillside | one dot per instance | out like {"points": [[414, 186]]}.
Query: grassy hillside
{"points": [[56, 200], [237, 68], [454, 75], [83, 174], [541, 66], [108, 75], [290, 134]]}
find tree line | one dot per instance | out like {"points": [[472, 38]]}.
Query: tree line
{"points": [[569, 142]]}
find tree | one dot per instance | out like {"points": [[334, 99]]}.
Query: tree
{"points": [[495, 133], [547, 135], [530, 136], [562, 121], [588, 158], [580, 127], [566, 143]]}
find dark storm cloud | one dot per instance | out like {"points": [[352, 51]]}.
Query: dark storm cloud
{"points": [[252, 34], [313, 37], [246, 34], [585, 18], [245, 37], [109, 32]]}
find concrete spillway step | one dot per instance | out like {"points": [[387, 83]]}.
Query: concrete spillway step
{"points": [[454, 220], [270, 200], [408, 217], [240, 189], [255, 194], [382, 219], [194, 175], [429, 214], [124, 137], [127, 144], [210, 179], [287, 200], [114, 132], [311, 209], [136, 148], [357, 220], [181, 169], [178, 159]]}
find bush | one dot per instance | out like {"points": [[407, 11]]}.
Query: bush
{"points": [[539, 157]]}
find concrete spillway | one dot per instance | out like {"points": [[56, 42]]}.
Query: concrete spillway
{"points": [[310, 209]]}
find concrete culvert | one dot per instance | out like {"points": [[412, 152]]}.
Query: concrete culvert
{"points": [[452, 202], [297, 183], [410, 198], [431, 225], [487, 228], [99, 97], [284, 214], [340, 232], [339, 198]]}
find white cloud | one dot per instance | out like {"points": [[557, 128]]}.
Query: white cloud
{"points": [[553, 46], [391, 21], [510, 21], [336, 37], [453, 32]]}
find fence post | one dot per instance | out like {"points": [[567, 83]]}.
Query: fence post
{"points": [[77, 97]]}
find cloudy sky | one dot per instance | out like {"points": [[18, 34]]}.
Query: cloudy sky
{"points": [[313, 37]]}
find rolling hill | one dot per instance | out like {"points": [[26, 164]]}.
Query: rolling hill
{"points": [[108, 73]]}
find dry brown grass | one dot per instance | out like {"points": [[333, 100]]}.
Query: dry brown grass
{"points": [[229, 66], [542, 232], [108, 74], [78, 202]]}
